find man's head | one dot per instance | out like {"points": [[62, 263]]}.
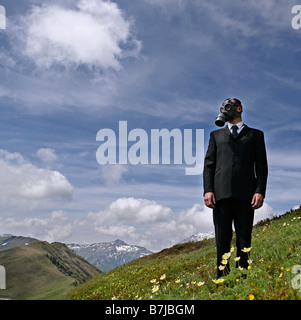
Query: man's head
{"points": [[231, 109]]}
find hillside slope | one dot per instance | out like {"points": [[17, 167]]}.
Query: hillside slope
{"points": [[187, 271], [43, 271]]}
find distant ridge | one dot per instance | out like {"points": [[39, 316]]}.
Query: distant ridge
{"points": [[109, 255], [198, 237], [9, 241], [40, 270]]}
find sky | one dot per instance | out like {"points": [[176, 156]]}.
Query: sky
{"points": [[69, 69]]}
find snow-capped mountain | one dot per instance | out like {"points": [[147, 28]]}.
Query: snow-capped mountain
{"points": [[108, 255], [199, 237]]}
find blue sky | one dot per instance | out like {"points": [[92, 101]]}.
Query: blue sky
{"points": [[71, 68]]}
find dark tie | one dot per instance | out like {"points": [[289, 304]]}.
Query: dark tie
{"points": [[234, 131]]}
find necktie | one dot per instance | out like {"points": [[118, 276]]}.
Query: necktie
{"points": [[234, 131]]}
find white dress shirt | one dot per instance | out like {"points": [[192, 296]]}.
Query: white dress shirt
{"points": [[239, 125]]}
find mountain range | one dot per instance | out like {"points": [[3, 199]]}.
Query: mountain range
{"points": [[108, 255], [198, 237], [39, 270]]}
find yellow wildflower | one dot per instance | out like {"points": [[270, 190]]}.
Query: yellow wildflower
{"points": [[178, 281], [155, 289], [226, 256], [232, 249], [250, 261], [218, 281], [281, 275], [249, 268], [246, 249], [200, 283], [224, 261], [163, 277], [221, 267], [251, 296], [237, 259], [153, 281], [114, 298]]}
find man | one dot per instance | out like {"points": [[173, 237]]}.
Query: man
{"points": [[235, 177]]}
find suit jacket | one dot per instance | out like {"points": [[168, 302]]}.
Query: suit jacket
{"points": [[236, 167]]}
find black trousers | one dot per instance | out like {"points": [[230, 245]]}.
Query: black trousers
{"points": [[241, 213]]}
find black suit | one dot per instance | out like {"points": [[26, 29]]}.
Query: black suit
{"points": [[234, 170]]}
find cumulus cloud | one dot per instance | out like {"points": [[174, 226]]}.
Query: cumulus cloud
{"points": [[23, 184], [112, 174], [47, 155], [53, 228], [96, 33], [266, 211], [132, 210], [118, 231], [148, 223]]}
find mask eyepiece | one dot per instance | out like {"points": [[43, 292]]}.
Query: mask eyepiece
{"points": [[228, 107]]}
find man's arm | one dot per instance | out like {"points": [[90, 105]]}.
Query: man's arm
{"points": [[261, 166], [261, 171], [208, 174]]}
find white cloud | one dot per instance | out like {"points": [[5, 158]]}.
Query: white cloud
{"points": [[150, 224], [112, 174], [131, 210], [265, 212], [147, 222], [53, 228], [96, 34], [118, 231], [26, 186], [199, 216], [47, 155]]}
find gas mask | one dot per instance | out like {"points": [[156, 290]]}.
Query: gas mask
{"points": [[228, 112]]}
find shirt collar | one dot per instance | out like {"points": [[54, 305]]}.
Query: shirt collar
{"points": [[239, 125]]}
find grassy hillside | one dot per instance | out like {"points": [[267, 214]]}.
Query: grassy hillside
{"points": [[43, 271], [187, 271]]}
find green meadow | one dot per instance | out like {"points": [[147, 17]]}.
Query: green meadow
{"points": [[187, 271]]}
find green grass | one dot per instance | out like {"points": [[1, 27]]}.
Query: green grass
{"points": [[187, 271], [43, 271]]}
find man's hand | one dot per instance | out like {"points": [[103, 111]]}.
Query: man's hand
{"points": [[257, 201], [209, 199]]}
